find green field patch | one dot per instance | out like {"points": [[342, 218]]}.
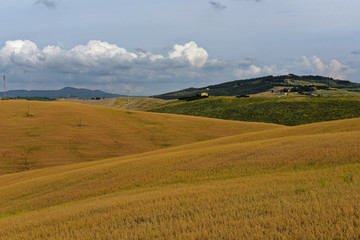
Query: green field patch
{"points": [[286, 111]]}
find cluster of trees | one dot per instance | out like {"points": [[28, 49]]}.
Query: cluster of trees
{"points": [[192, 98], [307, 88]]}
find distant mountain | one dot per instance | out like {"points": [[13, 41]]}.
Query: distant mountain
{"points": [[67, 92], [262, 84]]}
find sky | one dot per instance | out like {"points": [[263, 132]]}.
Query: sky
{"points": [[148, 47]]}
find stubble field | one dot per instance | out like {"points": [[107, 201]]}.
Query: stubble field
{"points": [[254, 182]]}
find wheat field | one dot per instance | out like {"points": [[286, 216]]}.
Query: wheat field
{"points": [[268, 183], [57, 133], [135, 103]]}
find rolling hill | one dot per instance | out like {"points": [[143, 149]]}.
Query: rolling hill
{"points": [[262, 84], [291, 111], [67, 92], [286, 183], [136, 103], [60, 132]]}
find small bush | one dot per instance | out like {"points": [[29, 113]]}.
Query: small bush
{"points": [[242, 96]]}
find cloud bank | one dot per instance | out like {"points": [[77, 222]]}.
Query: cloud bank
{"points": [[257, 71], [307, 65], [99, 62], [108, 67], [334, 68], [96, 54], [247, 68]]}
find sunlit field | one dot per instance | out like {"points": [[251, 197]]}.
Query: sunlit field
{"points": [[134, 103], [41, 134], [290, 110], [272, 182]]}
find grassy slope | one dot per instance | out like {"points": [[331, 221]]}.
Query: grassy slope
{"points": [[107, 102], [52, 136], [288, 111], [136, 103], [299, 182]]}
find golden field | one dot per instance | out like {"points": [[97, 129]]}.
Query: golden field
{"points": [[58, 133], [250, 181], [135, 103]]}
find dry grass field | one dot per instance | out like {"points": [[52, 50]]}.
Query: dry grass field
{"points": [[136, 103], [58, 133], [106, 102], [271, 183]]}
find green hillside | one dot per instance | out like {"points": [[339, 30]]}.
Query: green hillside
{"points": [[262, 84], [287, 111]]}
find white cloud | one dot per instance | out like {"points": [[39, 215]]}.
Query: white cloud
{"points": [[197, 56], [101, 62], [338, 70], [334, 69], [307, 65], [244, 73], [148, 55], [110, 66], [97, 50], [21, 53], [97, 55], [256, 71], [52, 51], [273, 70]]}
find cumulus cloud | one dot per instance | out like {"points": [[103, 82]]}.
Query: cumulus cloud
{"points": [[251, 71], [256, 71], [99, 62], [191, 52], [20, 53], [217, 5], [334, 68], [98, 54], [47, 3], [307, 65]]}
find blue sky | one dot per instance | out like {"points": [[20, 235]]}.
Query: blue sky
{"points": [[156, 46]]}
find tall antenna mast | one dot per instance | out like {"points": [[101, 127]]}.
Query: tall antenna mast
{"points": [[4, 87]]}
